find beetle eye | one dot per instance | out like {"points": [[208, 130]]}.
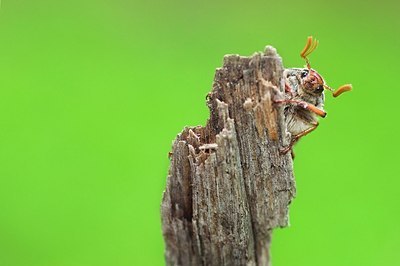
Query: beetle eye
{"points": [[304, 73]]}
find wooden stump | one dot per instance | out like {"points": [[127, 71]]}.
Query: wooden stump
{"points": [[228, 184]]}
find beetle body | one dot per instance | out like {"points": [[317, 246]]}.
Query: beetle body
{"points": [[298, 118], [304, 97]]}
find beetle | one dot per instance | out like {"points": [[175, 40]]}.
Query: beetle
{"points": [[304, 97]]}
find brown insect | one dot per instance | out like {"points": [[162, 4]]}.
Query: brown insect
{"points": [[304, 97]]}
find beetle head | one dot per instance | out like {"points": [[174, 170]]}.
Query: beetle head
{"points": [[312, 81]]}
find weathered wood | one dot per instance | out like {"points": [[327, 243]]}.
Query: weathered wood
{"points": [[228, 185]]}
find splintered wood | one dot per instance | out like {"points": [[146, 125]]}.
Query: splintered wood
{"points": [[228, 184]]}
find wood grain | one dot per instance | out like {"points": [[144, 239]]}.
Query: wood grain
{"points": [[228, 184]]}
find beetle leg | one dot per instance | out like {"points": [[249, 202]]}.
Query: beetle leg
{"points": [[308, 106], [305, 132], [288, 89], [297, 137]]}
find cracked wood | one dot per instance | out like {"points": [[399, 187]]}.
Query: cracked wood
{"points": [[228, 185]]}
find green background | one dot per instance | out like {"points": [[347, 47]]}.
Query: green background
{"points": [[92, 93]]}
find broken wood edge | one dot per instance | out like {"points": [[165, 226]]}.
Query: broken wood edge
{"points": [[203, 224]]}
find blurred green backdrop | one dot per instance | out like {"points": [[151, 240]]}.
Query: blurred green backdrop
{"points": [[94, 92]]}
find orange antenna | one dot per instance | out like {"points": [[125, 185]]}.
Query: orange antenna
{"points": [[340, 90], [328, 88], [310, 46]]}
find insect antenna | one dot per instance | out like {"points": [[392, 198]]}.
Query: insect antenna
{"points": [[310, 46], [340, 90]]}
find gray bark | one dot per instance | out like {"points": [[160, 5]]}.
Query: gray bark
{"points": [[228, 184]]}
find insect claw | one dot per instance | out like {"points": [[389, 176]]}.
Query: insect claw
{"points": [[341, 89], [286, 149]]}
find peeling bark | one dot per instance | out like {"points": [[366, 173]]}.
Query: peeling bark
{"points": [[228, 185]]}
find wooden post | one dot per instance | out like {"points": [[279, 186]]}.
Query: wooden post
{"points": [[228, 184]]}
